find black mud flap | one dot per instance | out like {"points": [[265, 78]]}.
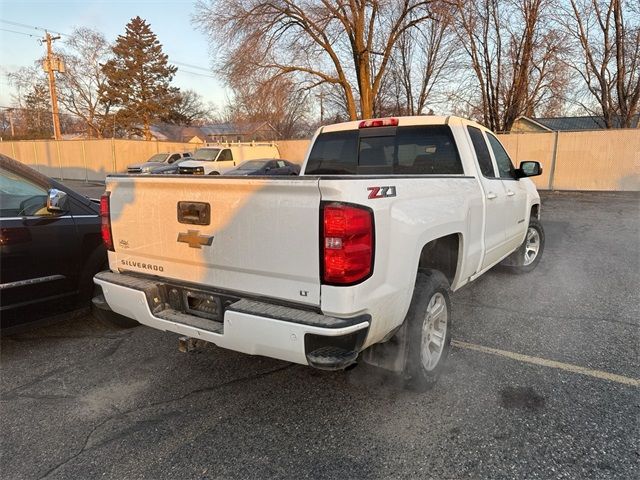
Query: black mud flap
{"points": [[390, 355]]}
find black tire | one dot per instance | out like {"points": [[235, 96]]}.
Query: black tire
{"points": [[95, 262], [520, 260], [214, 173], [430, 295], [108, 317]]}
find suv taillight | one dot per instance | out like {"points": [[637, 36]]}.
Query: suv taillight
{"points": [[347, 244], [105, 214]]}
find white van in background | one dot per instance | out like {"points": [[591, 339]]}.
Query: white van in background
{"points": [[217, 159]]}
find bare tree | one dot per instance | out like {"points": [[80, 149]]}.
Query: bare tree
{"points": [[515, 56], [347, 44], [78, 85], [608, 61], [190, 109], [24, 80], [277, 101], [37, 118], [84, 53], [421, 58]]}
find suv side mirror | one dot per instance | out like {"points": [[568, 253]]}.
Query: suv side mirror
{"points": [[57, 201], [529, 169]]}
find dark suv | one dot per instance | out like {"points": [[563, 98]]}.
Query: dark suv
{"points": [[50, 245]]}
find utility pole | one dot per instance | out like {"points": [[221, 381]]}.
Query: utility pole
{"points": [[10, 113], [51, 64]]}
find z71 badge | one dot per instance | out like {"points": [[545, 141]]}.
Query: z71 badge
{"points": [[382, 192]]}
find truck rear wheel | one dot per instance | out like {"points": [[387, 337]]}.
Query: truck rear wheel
{"points": [[429, 330], [527, 256]]}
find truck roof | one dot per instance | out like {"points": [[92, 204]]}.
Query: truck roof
{"points": [[403, 121]]}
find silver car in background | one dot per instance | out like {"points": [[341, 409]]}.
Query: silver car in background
{"points": [[165, 162]]}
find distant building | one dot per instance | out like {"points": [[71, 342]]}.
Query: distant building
{"points": [[212, 133], [564, 124], [239, 132]]}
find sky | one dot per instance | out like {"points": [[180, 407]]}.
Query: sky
{"points": [[169, 20]]}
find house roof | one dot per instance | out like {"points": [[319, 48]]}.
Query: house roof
{"points": [[167, 131], [235, 128], [577, 123]]}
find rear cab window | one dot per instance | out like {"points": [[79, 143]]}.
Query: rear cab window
{"points": [[410, 150]]}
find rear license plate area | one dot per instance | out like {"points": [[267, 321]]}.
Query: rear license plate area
{"points": [[199, 303], [202, 304]]}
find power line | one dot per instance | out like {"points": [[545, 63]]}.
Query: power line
{"points": [[20, 33], [191, 66], [195, 73], [24, 25]]}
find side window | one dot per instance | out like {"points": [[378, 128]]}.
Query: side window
{"points": [[281, 164], [174, 157], [505, 167], [20, 197], [225, 156], [482, 152]]}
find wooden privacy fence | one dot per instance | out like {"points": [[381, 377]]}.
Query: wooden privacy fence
{"points": [[593, 160]]}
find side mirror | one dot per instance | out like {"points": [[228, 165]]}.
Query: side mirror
{"points": [[529, 169], [57, 201]]}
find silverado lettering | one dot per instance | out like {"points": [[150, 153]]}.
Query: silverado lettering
{"points": [[144, 266]]}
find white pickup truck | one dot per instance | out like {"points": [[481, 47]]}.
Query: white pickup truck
{"points": [[354, 258], [218, 159]]}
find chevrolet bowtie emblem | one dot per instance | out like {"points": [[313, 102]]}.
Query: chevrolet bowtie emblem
{"points": [[194, 239]]}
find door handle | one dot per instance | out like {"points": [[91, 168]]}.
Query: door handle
{"points": [[491, 195], [511, 193]]}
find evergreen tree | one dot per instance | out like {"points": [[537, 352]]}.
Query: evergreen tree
{"points": [[138, 79], [37, 112]]}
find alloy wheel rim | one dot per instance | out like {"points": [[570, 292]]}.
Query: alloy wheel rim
{"points": [[434, 332], [531, 246]]}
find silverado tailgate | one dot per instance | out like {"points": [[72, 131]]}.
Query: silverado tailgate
{"points": [[265, 233]]}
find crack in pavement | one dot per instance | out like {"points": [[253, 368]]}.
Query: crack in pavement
{"points": [[155, 404], [45, 376], [36, 338], [562, 317], [36, 397]]}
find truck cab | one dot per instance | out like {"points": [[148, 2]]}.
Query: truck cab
{"points": [[218, 159]]}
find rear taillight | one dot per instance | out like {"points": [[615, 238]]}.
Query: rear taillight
{"points": [[379, 122], [105, 215], [347, 243]]}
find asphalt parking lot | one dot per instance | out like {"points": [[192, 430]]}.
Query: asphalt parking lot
{"points": [[542, 383]]}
